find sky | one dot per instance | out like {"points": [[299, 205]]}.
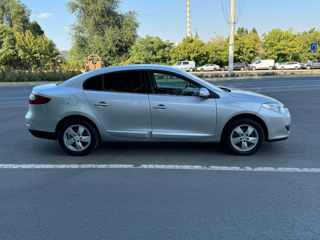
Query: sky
{"points": [[167, 18]]}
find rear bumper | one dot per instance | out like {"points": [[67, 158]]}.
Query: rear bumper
{"points": [[45, 135]]}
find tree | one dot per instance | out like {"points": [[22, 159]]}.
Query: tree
{"points": [[305, 40], [281, 45], [35, 28], [8, 53], [218, 51], [247, 47], [101, 29], [254, 31], [36, 52], [14, 14], [151, 50], [191, 49]]}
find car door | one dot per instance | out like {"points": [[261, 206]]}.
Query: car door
{"points": [[120, 103], [177, 111]]}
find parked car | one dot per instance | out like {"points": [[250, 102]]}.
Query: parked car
{"points": [[289, 66], [209, 67], [313, 64], [156, 104], [262, 65], [304, 65], [238, 66], [186, 65]]}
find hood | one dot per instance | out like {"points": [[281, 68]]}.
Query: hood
{"points": [[249, 95]]}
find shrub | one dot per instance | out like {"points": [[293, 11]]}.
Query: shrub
{"points": [[24, 76]]}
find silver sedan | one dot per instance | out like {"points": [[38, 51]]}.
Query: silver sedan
{"points": [[152, 103]]}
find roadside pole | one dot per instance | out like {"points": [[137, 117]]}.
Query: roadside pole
{"points": [[232, 32]]}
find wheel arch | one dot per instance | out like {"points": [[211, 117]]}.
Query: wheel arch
{"points": [[250, 116], [76, 116]]}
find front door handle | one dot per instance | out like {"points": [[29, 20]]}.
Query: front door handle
{"points": [[101, 104], [160, 106]]}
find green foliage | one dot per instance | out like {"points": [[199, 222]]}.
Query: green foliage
{"points": [[35, 28], [15, 14], [191, 49], [218, 51], [23, 76], [101, 29], [281, 45], [151, 50], [247, 47], [305, 40], [22, 43], [8, 53], [36, 52], [72, 65]]}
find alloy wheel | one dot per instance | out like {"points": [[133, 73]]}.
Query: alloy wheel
{"points": [[77, 138], [244, 138]]}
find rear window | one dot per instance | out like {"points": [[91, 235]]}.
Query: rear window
{"points": [[94, 83]]}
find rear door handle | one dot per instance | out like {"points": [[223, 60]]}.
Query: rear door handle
{"points": [[160, 106], [101, 104]]}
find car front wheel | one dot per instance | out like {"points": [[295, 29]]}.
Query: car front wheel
{"points": [[78, 137], [243, 137]]}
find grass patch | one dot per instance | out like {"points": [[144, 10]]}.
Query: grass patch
{"points": [[23, 76]]}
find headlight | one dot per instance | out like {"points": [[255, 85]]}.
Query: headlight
{"points": [[276, 107]]}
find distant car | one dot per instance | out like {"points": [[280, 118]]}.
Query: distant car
{"points": [[209, 67], [315, 65], [238, 66], [188, 66], [304, 65], [156, 104], [289, 66], [262, 65]]}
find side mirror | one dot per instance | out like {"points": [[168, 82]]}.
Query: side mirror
{"points": [[204, 93]]}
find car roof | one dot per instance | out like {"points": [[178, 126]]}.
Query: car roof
{"points": [[77, 81]]}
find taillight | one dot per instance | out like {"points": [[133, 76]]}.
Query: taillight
{"points": [[37, 99]]}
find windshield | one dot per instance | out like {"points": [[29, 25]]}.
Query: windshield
{"points": [[205, 82]]}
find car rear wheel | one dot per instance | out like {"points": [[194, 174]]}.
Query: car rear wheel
{"points": [[243, 137], [296, 68], [78, 137]]}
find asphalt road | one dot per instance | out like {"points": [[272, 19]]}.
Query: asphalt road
{"points": [[164, 204]]}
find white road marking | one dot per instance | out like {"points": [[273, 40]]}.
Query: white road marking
{"points": [[159, 167]]}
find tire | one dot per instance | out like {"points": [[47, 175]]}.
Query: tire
{"points": [[308, 67], [236, 141], [270, 68], [78, 137], [282, 68], [242, 69], [296, 68], [254, 68]]}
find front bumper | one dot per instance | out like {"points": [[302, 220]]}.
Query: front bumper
{"points": [[278, 124]]}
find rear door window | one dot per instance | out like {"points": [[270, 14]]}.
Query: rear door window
{"points": [[126, 81]]}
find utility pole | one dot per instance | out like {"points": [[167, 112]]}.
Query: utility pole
{"points": [[188, 19], [232, 32]]}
